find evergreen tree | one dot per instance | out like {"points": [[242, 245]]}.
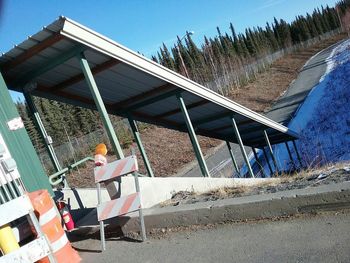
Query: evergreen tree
{"points": [[271, 37], [167, 59], [194, 51]]}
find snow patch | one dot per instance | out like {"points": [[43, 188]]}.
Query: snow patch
{"points": [[323, 120]]}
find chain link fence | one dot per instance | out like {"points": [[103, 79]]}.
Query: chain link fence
{"points": [[236, 76], [77, 148]]}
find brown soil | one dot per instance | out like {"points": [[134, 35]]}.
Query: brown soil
{"points": [[169, 150], [260, 94]]}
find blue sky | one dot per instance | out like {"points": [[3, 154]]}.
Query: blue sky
{"points": [[143, 25]]}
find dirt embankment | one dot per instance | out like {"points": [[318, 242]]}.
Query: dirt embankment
{"points": [[169, 150]]}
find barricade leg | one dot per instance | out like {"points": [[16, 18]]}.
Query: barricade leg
{"points": [[142, 221], [102, 227]]}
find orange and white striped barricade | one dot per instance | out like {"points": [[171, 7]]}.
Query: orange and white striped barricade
{"points": [[35, 250], [119, 206]]}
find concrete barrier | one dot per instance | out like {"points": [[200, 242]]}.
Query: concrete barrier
{"points": [[284, 203], [158, 189]]}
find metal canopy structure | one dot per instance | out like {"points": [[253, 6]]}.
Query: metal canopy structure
{"points": [[49, 64]]}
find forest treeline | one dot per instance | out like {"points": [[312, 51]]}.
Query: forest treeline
{"points": [[227, 53], [231, 51], [63, 122]]}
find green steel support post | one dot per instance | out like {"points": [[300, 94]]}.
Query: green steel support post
{"points": [[258, 162], [100, 106], [193, 137], [137, 137], [290, 155], [298, 156], [267, 160], [271, 151], [232, 156], [42, 131], [238, 136]]}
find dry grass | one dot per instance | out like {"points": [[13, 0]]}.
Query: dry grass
{"points": [[312, 171], [225, 192], [304, 178]]}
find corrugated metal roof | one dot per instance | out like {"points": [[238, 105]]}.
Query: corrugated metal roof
{"points": [[129, 84]]}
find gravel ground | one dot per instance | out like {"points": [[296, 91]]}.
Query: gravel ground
{"points": [[329, 175]]}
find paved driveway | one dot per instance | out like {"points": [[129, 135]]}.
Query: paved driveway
{"points": [[321, 238]]}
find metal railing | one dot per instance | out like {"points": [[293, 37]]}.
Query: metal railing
{"points": [[60, 176]]}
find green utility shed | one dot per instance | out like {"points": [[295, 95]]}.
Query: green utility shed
{"points": [[20, 146]]}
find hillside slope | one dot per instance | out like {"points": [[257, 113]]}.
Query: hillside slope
{"points": [[323, 120], [169, 150]]}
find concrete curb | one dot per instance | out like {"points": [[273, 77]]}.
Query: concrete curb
{"points": [[285, 203]]}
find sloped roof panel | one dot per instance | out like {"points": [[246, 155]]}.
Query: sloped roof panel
{"points": [[128, 82]]}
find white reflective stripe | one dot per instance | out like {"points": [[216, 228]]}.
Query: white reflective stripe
{"points": [[59, 243], [48, 216]]}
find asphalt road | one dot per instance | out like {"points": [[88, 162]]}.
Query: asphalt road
{"points": [[320, 238], [220, 164]]}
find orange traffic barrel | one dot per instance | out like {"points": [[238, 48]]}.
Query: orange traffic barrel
{"points": [[50, 223]]}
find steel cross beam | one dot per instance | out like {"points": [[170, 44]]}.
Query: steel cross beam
{"points": [[151, 100], [143, 96], [251, 136], [89, 103], [193, 137], [52, 63], [100, 106], [137, 137], [242, 123], [32, 51], [80, 77], [238, 136], [190, 106], [213, 117], [271, 151], [232, 157]]}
